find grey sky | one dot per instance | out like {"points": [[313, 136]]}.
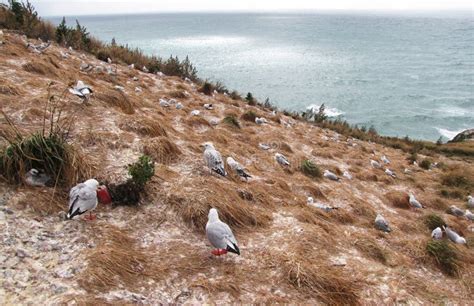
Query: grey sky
{"points": [[84, 7]]}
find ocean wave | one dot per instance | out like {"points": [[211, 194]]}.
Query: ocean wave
{"points": [[454, 111], [329, 111], [448, 133], [197, 41]]}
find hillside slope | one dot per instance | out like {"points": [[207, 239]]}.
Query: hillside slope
{"points": [[158, 252]]}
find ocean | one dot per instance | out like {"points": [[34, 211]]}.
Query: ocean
{"points": [[405, 75]]}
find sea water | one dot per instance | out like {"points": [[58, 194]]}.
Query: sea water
{"points": [[405, 75]]}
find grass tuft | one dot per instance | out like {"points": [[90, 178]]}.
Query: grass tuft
{"points": [[433, 221], [232, 121], [398, 199], [310, 169], [426, 164], [445, 256], [162, 150], [249, 116]]}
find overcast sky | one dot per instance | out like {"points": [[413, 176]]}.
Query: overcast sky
{"points": [[85, 7]]}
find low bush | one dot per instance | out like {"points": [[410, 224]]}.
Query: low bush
{"points": [[249, 116], [310, 169], [426, 164], [142, 170], [232, 121], [445, 256], [433, 221]]}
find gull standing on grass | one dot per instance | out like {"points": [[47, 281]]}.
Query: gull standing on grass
{"points": [[213, 159], [220, 235], [234, 165], [385, 160], [382, 224], [390, 173], [375, 164], [469, 215], [81, 90], [329, 175], [453, 236], [83, 198]]}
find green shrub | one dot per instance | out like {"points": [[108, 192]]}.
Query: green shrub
{"points": [[413, 157], [445, 256], [250, 99], [206, 89], [433, 221], [234, 95], [310, 169], [142, 170], [232, 121], [425, 164], [249, 116]]}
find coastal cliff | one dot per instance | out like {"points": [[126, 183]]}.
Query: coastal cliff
{"points": [[157, 252]]}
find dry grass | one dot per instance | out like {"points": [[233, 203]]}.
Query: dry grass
{"points": [[10, 90], [370, 248], [196, 121], [41, 68], [398, 199], [162, 150], [193, 205], [177, 94], [145, 127], [249, 116], [46, 201], [116, 98]]}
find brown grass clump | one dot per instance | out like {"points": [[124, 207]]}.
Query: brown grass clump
{"points": [[9, 90], [195, 121], [45, 69], [117, 261], [371, 249], [249, 116], [162, 150], [398, 199], [317, 279], [145, 127], [285, 147], [116, 98], [193, 204], [177, 94], [45, 201]]}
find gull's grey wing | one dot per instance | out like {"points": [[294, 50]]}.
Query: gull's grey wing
{"points": [[220, 235], [81, 199]]}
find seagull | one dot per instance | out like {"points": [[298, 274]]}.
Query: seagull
{"points": [[414, 202], [454, 210], [260, 121], [118, 87], [83, 198], [470, 202], [195, 112], [138, 89], [407, 171], [375, 164], [81, 90], [326, 208], [38, 48], [213, 159], [390, 173], [469, 215], [263, 146], [85, 67], [37, 178], [453, 236], [208, 106], [64, 54], [234, 165], [179, 105], [281, 159], [382, 224], [131, 66], [144, 69], [220, 235], [329, 175], [437, 233], [347, 175], [164, 103], [385, 160], [109, 60]]}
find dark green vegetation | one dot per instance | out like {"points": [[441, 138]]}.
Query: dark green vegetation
{"points": [[433, 221], [232, 121], [310, 169], [142, 170], [445, 256]]}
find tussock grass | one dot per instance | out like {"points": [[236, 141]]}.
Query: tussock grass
{"points": [[249, 116], [145, 127], [41, 68], [196, 121], [426, 164], [206, 89], [9, 90], [193, 205], [371, 249], [231, 120], [116, 98], [433, 221], [398, 199], [162, 150], [310, 169], [177, 94], [445, 256]]}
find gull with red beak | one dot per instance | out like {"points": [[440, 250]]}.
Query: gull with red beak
{"points": [[83, 198]]}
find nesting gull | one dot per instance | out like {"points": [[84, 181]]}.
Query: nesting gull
{"points": [[454, 210], [437, 233], [195, 112], [86, 67], [208, 106], [213, 159], [382, 224], [470, 202], [83, 198], [385, 160], [414, 202], [375, 164], [234, 165], [164, 103], [281, 159], [326, 208], [453, 236], [264, 146], [347, 175], [469, 215], [81, 90], [260, 121], [179, 105], [329, 175], [38, 48], [37, 178], [390, 173], [220, 235]]}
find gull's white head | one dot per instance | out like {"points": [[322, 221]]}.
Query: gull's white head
{"points": [[92, 183], [310, 200], [34, 172], [213, 215], [208, 145], [469, 197]]}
